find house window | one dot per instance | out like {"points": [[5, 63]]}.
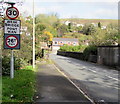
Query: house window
{"points": [[56, 42], [74, 43], [69, 43]]}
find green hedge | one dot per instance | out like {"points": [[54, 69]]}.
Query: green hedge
{"points": [[67, 48], [89, 50]]}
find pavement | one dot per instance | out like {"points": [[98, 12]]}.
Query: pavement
{"points": [[100, 83], [53, 86]]}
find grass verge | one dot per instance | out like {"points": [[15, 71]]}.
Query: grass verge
{"points": [[21, 88]]}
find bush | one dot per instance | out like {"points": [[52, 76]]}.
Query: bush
{"points": [[6, 65], [89, 50], [67, 48]]}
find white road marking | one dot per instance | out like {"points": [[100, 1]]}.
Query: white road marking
{"points": [[105, 75], [75, 85], [92, 70], [99, 74], [112, 78]]}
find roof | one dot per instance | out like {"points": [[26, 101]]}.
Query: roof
{"points": [[66, 39]]}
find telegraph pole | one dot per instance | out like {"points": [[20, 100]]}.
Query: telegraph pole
{"points": [[33, 36]]}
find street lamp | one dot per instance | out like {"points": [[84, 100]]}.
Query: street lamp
{"points": [[33, 37]]}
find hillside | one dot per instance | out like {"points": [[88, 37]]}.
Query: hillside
{"points": [[84, 21]]}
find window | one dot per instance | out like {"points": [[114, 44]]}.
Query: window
{"points": [[56, 42], [74, 43], [69, 42]]}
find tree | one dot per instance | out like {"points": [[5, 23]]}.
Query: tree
{"points": [[47, 19], [70, 27], [50, 36], [62, 29], [25, 52], [89, 29], [99, 24], [40, 27], [105, 37], [79, 29], [47, 23], [98, 38]]}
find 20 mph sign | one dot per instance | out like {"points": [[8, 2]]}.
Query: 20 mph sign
{"points": [[12, 13], [11, 41]]}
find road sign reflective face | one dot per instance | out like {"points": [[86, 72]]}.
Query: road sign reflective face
{"points": [[12, 13], [1, 11], [11, 41], [12, 26]]}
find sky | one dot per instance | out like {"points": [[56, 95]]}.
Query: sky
{"points": [[92, 9]]}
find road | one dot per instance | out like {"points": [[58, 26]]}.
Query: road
{"points": [[52, 86], [99, 82]]}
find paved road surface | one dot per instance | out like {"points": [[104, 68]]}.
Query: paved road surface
{"points": [[52, 86], [100, 83]]}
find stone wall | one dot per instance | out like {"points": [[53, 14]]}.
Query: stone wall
{"points": [[106, 55], [76, 55], [109, 55]]}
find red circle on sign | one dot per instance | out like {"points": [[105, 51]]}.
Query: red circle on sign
{"points": [[16, 11], [8, 44]]}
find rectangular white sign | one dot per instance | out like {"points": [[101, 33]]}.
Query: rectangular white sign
{"points": [[12, 26], [1, 11]]}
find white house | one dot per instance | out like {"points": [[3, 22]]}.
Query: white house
{"points": [[79, 25], [103, 27], [94, 24], [58, 42], [67, 22]]}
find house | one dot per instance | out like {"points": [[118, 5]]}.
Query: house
{"points": [[79, 25], [58, 42], [67, 22], [94, 24], [103, 27]]}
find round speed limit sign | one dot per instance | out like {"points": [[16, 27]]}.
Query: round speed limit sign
{"points": [[12, 12], [11, 41]]}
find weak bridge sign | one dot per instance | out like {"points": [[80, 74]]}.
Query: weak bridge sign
{"points": [[12, 27]]}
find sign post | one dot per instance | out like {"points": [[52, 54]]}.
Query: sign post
{"points": [[12, 65], [12, 42], [12, 34]]}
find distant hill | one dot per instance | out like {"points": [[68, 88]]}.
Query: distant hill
{"points": [[84, 21]]}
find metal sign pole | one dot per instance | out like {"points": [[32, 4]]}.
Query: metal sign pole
{"points": [[12, 65]]}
